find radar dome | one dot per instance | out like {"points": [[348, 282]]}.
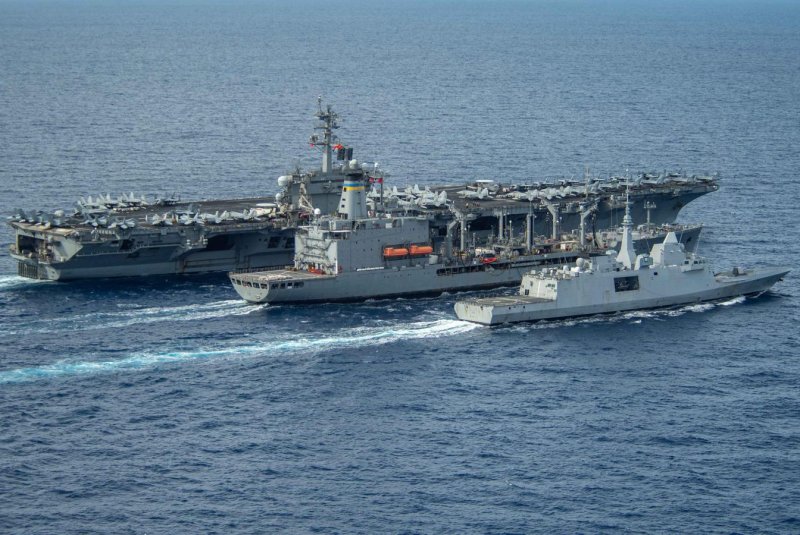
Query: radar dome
{"points": [[317, 212], [283, 181], [279, 197]]}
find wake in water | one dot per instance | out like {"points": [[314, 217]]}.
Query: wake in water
{"points": [[134, 316], [289, 345], [736, 300], [8, 282]]}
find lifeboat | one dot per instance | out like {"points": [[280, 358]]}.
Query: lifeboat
{"points": [[420, 249], [395, 252]]}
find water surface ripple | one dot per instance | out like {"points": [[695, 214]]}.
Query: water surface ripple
{"points": [[167, 405]]}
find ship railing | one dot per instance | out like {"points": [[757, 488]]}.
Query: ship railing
{"points": [[257, 269], [101, 234]]}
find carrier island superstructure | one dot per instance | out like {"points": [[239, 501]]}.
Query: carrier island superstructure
{"points": [[130, 235]]}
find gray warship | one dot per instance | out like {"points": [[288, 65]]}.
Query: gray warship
{"points": [[130, 235], [363, 252], [665, 277]]}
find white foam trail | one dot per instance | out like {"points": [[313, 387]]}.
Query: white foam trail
{"points": [[359, 337], [640, 314], [734, 301], [702, 307], [8, 282], [636, 315], [134, 316]]}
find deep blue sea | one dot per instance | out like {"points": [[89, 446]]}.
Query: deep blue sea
{"points": [[167, 405]]}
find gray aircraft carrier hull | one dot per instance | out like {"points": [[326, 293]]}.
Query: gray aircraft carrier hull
{"points": [[74, 253], [131, 236], [179, 251], [154, 261]]}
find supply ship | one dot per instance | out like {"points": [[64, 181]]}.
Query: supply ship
{"points": [[130, 235], [364, 252]]}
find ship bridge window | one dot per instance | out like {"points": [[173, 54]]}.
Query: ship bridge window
{"points": [[626, 284], [273, 241]]}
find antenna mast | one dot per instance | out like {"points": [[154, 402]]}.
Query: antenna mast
{"points": [[649, 206], [329, 120]]}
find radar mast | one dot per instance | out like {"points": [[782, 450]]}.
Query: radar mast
{"points": [[329, 121]]}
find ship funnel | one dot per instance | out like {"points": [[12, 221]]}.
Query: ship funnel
{"points": [[353, 203]]}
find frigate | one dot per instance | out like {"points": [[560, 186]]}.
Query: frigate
{"points": [[133, 235], [363, 252], [667, 276]]}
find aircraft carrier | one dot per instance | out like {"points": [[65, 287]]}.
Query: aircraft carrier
{"points": [[130, 235]]}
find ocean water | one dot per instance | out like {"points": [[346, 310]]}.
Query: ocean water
{"points": [[167, 405]]}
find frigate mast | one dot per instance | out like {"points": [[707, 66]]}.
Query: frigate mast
{"points": [[626, 255], [329, 121]]}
